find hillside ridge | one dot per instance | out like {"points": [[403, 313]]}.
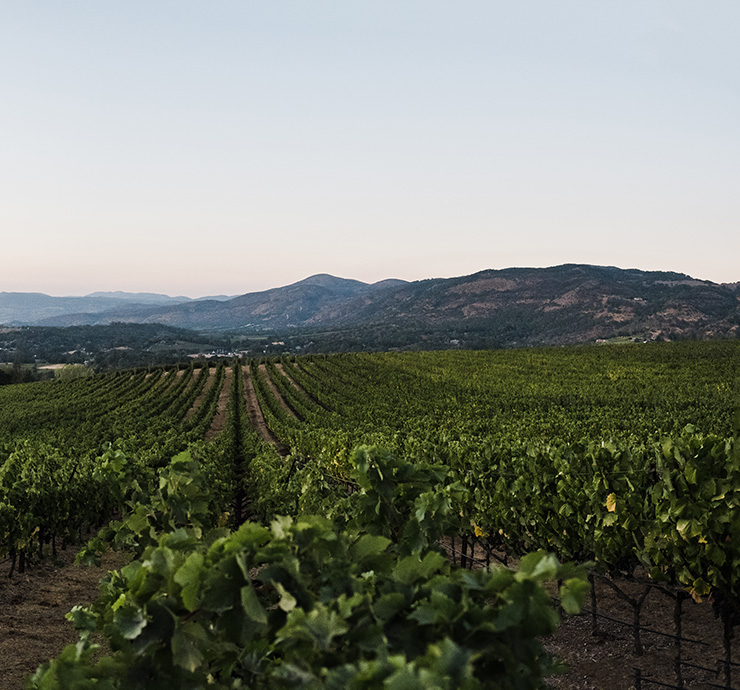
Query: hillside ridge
{"points": [[561, 304]]}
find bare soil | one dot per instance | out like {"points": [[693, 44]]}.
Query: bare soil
{"points": [[201, 396], [607, 659], [286, 370], [256, 417], [282, 369], [275, 391], [33, 628], [219, 420]]}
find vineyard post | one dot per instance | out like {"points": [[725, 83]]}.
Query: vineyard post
{"points": [[680, 596], [636, 609], [594, 614], [636, 605], [727, 639]]}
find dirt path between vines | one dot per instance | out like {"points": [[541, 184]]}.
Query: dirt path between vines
{"points": [[33, 628], [219, 420], [201, 396], [607, 660], [283, 370], [256, 418], [275, 391]]}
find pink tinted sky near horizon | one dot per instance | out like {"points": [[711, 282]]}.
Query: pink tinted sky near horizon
{"points": [[224, 148]]}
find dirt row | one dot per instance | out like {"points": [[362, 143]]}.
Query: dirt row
{"points": [[219, 420], [608, 659], [202, 395], [275, 392], [33, 628], [255, 414]]}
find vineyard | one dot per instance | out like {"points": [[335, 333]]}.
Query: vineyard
{"points": [[301, 522]]}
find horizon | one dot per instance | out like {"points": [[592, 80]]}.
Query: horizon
{"points": [[233, 148], [321, 274]]}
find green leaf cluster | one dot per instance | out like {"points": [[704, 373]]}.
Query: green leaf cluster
{"points": [[309, 603]]}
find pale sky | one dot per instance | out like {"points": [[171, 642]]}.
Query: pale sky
{"points": [[228, 146]]}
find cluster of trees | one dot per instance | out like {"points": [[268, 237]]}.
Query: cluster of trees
{"points": [[17, 373], [118, 345]]}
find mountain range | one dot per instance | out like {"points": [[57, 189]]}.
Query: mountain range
{"points": [[513, 306], [38, 309]]}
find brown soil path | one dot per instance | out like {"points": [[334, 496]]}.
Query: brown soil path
{"points": [[219, 420], [275, 391], [201, 396], [283, 370], [171, 384], [256, 417], [33, 628], [607, 661]]}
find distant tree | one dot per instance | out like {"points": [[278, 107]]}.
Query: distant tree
{"points": [[73, 371]]}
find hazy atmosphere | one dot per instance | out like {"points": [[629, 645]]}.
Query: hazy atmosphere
{"points": [[219, 148]]}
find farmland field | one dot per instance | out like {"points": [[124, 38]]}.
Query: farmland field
{"points": [[620, 456]]}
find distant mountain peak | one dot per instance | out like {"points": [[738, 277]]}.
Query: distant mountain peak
{"points": [[508, 307], [140, 297], [329, 281]]}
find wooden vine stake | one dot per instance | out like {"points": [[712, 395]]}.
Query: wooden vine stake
{"points": [[636, 605], [680, 596], [729, 632], [594, 614]]}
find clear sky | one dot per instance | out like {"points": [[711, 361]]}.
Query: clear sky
{"points": [[197, 148]]}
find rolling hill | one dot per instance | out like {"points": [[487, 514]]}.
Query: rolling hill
{"points": [[515, 306]]}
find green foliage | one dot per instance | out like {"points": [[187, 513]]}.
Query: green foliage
{"points": [[302, 604], [180, 498], [410, 503], [266, 483], [560, 450], [69, 372], [59, 473], [583, 454], [693, 538]]}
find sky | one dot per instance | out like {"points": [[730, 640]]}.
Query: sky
{"points": [[201, 148]]}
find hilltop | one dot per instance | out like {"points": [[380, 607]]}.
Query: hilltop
{"points": [[572, 303]]}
